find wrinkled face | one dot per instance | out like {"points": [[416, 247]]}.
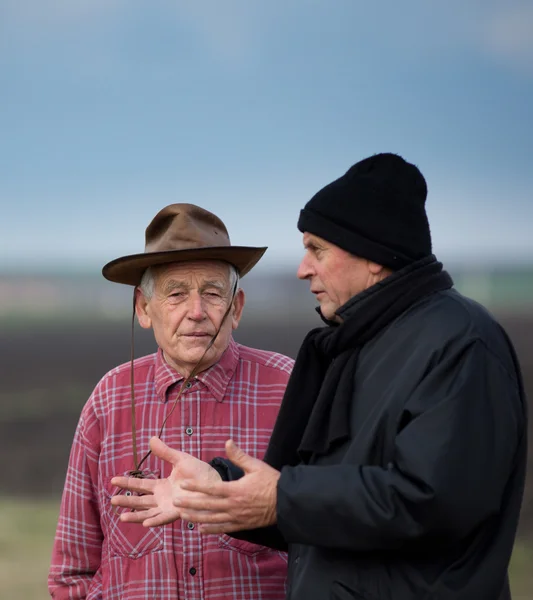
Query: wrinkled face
{"points": [[186, 309], [335, 275]]}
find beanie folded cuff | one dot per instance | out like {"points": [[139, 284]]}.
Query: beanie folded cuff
{"points": [[351, 241]]}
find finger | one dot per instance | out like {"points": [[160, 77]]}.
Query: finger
{"points": [[239, 457], [142, 502], [162, 519], [163, 451], [210, 488], [139, 516], [134, 484], [205, 517]]}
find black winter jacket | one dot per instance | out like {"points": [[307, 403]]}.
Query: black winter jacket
{"points": [[423, 501]]}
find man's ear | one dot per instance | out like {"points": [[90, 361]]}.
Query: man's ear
{"points": [[238, 305], [379, 272], [141, 310], [374, 268]]}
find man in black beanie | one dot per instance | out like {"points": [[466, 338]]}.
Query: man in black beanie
{"points": [[396, 466], [376, 211]]}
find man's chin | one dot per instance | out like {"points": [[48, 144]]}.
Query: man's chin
{"points": [[328, 311], [192, 344]]}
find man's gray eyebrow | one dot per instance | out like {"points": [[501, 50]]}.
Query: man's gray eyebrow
{"points": [[216, 283], [172, 284]]}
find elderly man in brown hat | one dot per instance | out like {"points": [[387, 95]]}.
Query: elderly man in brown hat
{"points": [[199, 389]]}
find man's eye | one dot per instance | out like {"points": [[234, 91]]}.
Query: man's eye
{"points": [[177, 295], [213, 294]]}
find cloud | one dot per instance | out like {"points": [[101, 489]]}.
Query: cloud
{"points": [[507, 35], [57, 13], [228, 29], [235, 32]]}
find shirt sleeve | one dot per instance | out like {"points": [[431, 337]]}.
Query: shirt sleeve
{"points": [[78, 540], [453, 457]]}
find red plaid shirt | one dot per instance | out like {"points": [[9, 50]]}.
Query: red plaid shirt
{"points": [[95, 555]]}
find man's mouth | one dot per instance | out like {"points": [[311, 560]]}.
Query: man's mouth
{"points": [[197, 334]]}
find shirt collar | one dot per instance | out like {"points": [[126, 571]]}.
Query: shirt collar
{"points": [[215, 379]]}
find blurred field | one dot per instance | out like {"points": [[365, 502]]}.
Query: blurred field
{"points": [[26, 534], [27, 529], [521, 572]]}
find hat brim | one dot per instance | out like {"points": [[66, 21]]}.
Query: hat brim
{"points": [[129, 269]]}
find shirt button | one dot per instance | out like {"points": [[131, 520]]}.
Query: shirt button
{"points": [[192, 571], [188, 385], [190, 525], [189, 431]]}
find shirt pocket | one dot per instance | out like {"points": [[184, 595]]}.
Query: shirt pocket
{"points": [[230, 543], [130, 540]]}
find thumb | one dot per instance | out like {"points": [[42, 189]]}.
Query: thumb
{"points": [[163, 451], [239, 457]]}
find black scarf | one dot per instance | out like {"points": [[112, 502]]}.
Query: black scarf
{"points": [[309, 420]]}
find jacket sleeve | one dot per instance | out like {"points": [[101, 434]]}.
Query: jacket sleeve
{"points": [[271, 537], [78, 540], [451, 462], [226, 469]]}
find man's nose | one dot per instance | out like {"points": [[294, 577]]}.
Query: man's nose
{"points": [[304, 270], [196, 308]]}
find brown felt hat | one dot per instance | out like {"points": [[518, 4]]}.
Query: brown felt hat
{"points": [[181, 232]]}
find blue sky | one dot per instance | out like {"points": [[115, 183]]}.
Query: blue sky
{"points": [[111, 109]]}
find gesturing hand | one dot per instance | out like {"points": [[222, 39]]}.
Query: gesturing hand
{"points": [[222, 507], [156, 505]]}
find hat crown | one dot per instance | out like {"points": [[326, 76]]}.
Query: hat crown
{"points": [[390, 173], [183, 227]]}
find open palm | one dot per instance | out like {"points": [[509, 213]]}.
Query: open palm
{"points": [[154, 505]]}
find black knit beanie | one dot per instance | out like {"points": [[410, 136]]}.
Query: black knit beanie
{"points": [[376, 210]]}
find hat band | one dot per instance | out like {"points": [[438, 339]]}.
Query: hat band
{"points": [[351, 241]]}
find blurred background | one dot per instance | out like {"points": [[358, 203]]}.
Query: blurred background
{"points": [[112, 109]]}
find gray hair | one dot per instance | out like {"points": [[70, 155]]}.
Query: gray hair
{"points": [[147, 285]]}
